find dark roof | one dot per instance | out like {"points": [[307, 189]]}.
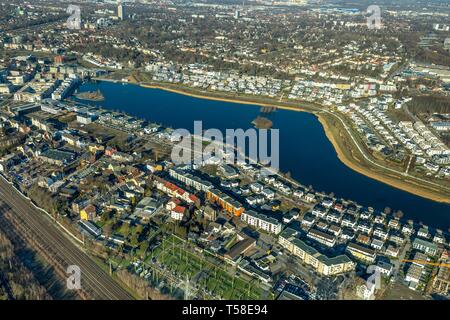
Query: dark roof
{"points": [[239, 248]]}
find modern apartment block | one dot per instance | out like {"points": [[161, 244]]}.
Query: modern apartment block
{"points": [[261, 221], [322, 264]]}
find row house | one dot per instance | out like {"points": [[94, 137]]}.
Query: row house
{"points": [[322, 237], [361, 252], [377, 244], [322, 264], [191, 180], [380, 233], [394, 224], [175, 191], [425, 246], [229, 204]]}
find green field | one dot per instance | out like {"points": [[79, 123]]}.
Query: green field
{"points": [[215, 279]]}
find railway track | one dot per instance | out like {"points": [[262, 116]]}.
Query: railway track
{"points": [[64, 250]]}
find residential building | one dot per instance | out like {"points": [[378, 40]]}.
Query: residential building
{"points": [[308, 220], [120, 10], [427, 247], [385, 268], [147, 207], [441, 283], [392, 251], [177, 213], [322, 264], [423, 232], [88, 213], [229, 204], [261, 221], [380, 233], [414, 275], [322, 237], [191, 180], [174, 191], [362, 253], [377, 244], [319, 211]]}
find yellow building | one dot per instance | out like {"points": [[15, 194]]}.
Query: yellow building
{"points": [[343, 86], [93, 148], [88, 213], [322, 264], [362, 253]]}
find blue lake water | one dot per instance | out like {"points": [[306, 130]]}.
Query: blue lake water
{"points": [[304, 149]]}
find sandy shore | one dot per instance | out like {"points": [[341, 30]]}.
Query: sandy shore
{"points": [[349, 162], [236, 101]]}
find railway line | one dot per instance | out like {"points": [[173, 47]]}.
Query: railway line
{"points": [[64, 249]]}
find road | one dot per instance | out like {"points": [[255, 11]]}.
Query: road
{"points": [[93, 277]]}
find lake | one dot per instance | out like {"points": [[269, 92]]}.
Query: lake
{"points": [[305, 151]]}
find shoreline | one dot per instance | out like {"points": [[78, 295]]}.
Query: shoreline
{"points": [[231, 100], [381, 178], [350, 163]]}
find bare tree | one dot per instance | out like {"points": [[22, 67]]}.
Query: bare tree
{"points": [[398, 214]]}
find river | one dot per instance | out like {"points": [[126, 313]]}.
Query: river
{"points": [[304, 149]]}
